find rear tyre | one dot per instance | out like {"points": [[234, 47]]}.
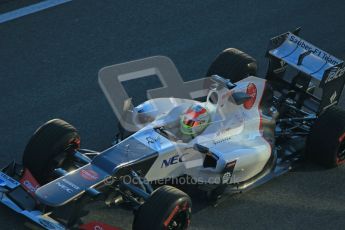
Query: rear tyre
{"points": [[326, 142], [167, 208], [233, 64], [47, 148]]}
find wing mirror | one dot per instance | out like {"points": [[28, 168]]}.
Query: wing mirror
{"points": [[240, 97], [223, 82]]}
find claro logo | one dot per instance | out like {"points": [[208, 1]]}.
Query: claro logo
{"points": [[174, 160]]}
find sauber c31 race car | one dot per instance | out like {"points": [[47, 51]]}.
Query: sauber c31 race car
{"points": [[246, 131]]}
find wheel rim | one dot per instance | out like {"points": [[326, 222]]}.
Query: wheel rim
{"points": [[179, 219], [341, 150], [74, 143]]}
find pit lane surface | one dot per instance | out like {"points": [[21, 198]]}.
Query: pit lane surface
{"points": [[49, 63]]}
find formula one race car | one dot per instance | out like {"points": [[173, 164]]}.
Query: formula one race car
{"points": [[247, 131]]}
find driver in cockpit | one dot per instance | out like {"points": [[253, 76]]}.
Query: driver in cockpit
{"points": [[194, 120]]}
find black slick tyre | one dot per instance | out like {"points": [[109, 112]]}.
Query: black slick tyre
{"points": [[167, 208], [47, 148], [233, 64], [326, 142]]}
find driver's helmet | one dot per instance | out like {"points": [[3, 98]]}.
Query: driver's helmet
{"points": [[194, 120]]}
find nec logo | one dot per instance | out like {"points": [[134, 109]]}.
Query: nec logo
{"points": [[173, 160]]}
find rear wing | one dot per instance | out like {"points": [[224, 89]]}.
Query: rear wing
{"points": [[312, 63]]}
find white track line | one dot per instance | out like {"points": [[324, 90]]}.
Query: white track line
{"points": [[5, 17]]}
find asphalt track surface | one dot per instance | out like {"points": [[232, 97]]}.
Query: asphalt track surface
{"points": [[49, 63]]}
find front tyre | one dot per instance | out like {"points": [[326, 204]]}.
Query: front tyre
{"points": [[47, 147], [168, 208], [326, 142]]}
